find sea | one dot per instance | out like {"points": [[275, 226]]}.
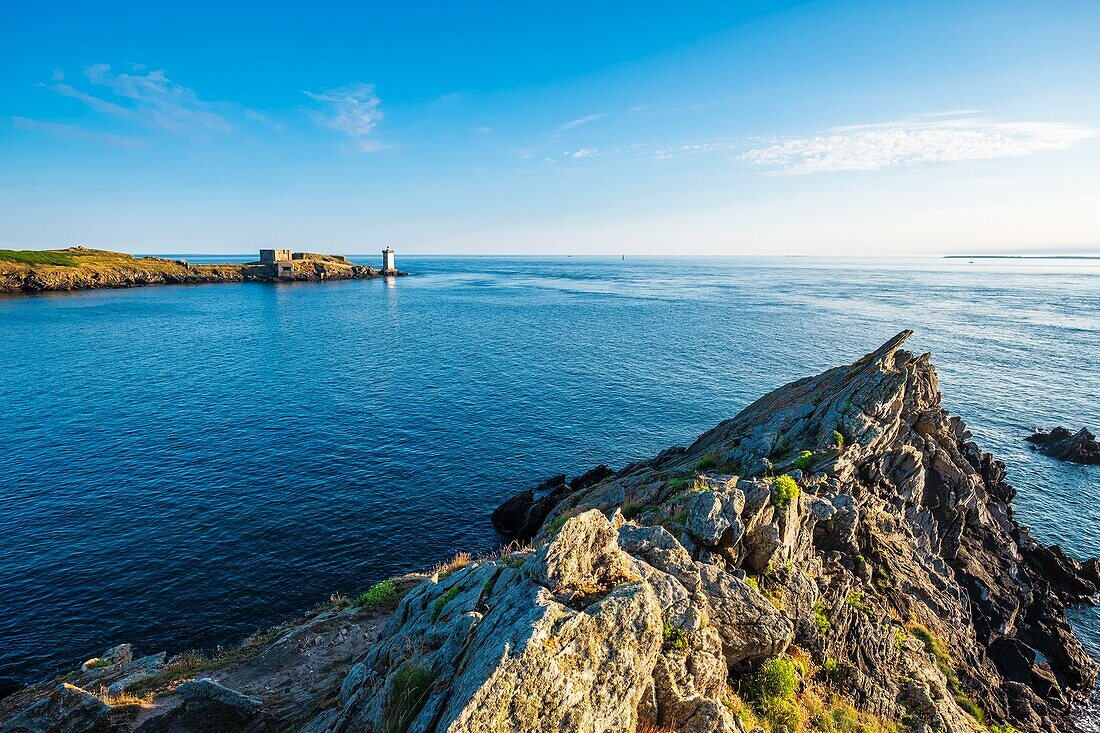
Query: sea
{"points": [[182, 466]]}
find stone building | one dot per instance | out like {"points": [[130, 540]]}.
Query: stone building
{"points": [[271, 256]]}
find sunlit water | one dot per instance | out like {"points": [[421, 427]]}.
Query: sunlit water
{"points": [[184, 465]]}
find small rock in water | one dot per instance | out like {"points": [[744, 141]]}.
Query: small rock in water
{"points": [[1060, 443]]}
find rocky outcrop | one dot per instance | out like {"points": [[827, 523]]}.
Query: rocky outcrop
{"points": [[840, 555], [1060, 443], [91, 269]]}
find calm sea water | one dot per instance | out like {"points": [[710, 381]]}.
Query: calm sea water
{"points": [[184, 465]]}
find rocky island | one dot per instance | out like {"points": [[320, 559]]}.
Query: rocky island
{"points": [[78, 268], [1061, 443], [840, 556]]}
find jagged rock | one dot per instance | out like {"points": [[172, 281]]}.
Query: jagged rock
{"points": [[115, 657], [1060, 443], [68, 709], [207, 690], [520, 517], [567, 642], [208, 706]]}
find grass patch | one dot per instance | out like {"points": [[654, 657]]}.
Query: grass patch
{"points": [[32, 257], [125, 699], [856, 600], [784, 491], [380, 595], [676, 485], [412, 685], [100, 663], [708, 461], [821, 620], [943, 661], [1003, 728], [442, 601], [805, 460], [674, 638], [838, 439], [633, 509], [456, 563]]}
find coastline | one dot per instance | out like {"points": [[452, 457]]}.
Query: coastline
{"points": [[78, 268]]}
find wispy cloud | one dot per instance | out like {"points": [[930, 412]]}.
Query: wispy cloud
{"points": [[75, 132], [151, 99], [583, 153], [354, 110], [483, 130], [583, 121], [926, 139]]}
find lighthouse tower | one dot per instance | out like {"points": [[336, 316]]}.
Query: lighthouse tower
{"points": [[387, 261]]}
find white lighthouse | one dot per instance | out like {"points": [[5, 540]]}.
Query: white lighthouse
{"points": [[387, 260]]}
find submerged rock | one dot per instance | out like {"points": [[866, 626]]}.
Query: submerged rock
{"points": [[1060, 443]]}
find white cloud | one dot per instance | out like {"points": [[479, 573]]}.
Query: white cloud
{"points": [[583, 121], [150, 98], [584, 153], [354, 110], [483, 130], [912, 142]]}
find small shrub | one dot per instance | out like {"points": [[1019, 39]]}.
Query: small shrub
{"points": [[821, 619], [677, 485], [99, 663], [784, 491], [412, 684], [674, 638], [339, 601], [855, 600], [777, 679], [380, 595], [832, 670], [752, 582], [442, 601], [514, 561], [708, 461], [805, 460], [838, 439]]}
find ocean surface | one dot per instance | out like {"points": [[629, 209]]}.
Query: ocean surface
{"points": [[185, 465]]}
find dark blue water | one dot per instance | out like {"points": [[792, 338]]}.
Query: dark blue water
{"points": [[184, 465]]}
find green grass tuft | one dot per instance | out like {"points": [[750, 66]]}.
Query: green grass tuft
{"points": [[412, 685], [442, 601], [838, 439], [785, 490], [380, 595], [674, 638], [821, 619], [805, 460], [708, 461]]}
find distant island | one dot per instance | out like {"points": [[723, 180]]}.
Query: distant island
{"points": [[79, 268], [1021, 257]]}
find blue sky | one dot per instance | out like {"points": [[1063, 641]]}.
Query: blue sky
{"points": [[700, 128]]}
